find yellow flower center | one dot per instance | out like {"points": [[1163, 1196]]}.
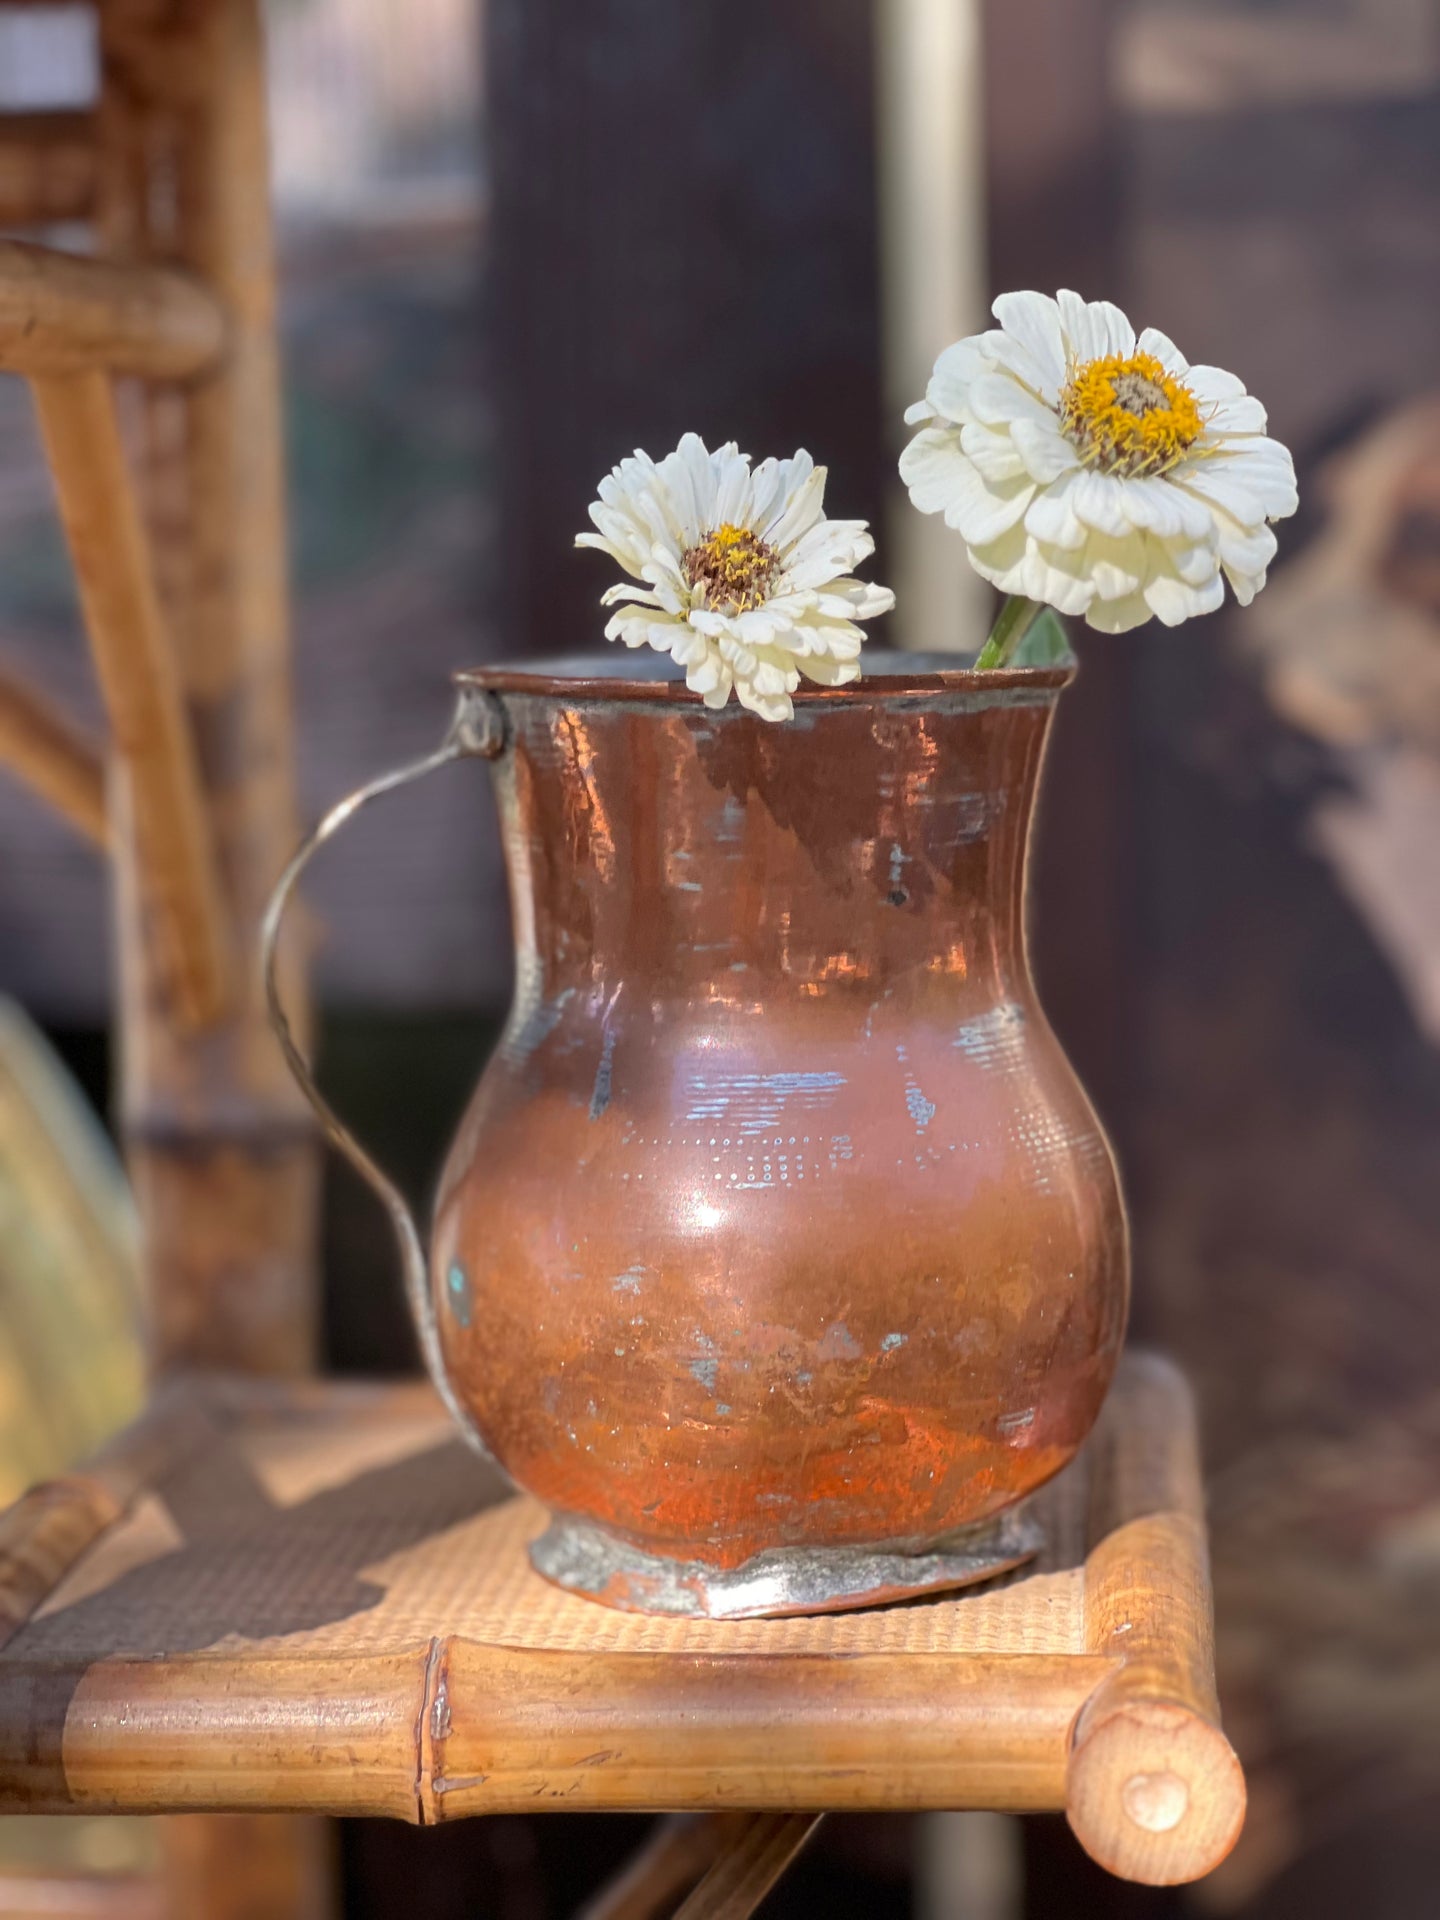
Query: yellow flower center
{"points": [[735, 567], [1129, 416]]}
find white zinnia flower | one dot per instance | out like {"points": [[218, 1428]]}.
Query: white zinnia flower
{"points": [[747, 585], [1098, 472]]}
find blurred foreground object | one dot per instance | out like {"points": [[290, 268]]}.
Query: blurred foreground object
{"points": [[72, 1366], [72, 1371]]}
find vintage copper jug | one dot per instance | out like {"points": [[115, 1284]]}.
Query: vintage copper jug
{"points": [[780, 1254]]}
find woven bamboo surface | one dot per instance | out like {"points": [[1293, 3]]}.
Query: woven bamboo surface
{"points": [[370, 1527], [299, 1596]]}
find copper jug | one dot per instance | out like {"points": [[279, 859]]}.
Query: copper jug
{"points": [[779, 1254]]}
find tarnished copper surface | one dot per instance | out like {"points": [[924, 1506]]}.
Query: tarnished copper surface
{"points": [[778, 1219]]}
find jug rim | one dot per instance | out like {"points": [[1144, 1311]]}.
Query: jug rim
{"points": [[887, 673]]}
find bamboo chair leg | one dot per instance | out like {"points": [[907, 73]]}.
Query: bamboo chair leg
{"points": [[220, 1147], [139, 679], [749, 1867], [667, 1866]]}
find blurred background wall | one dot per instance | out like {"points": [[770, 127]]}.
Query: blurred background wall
{"points": [[521, 237]]}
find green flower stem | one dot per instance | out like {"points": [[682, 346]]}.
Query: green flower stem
{"points": [[1013, 622]]}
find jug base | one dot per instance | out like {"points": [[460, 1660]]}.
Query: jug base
{"points": [[585, 1559]]}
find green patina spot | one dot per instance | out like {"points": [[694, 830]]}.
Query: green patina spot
{"points": [[457, 1289]]}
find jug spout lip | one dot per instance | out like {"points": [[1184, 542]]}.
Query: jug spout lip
{"points": [[886, 673]]}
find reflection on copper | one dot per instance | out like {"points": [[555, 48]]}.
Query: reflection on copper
{"points": [[952, 959], [590, 823]]}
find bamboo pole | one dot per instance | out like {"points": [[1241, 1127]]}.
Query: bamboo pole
{"points": [[47, 168], [1153, 1790], [138, 679], [931, 184], [63, 314], [749, 1867], [681, 1848], [53, 759], [220, 1147]]}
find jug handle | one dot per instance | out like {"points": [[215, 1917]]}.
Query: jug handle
{"points": [[477, 730]]}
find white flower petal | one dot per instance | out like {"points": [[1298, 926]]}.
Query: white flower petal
{"points": [[955, 371], [1172, 601], [1197, 566], [769, 679], [982, 513], [1264, 468], [994, 453], [700, 468], [1156, 506], [1098, 500], [1051, 517], [1213, 383], [837, 545], [1208, 480], [669, 505], [1045, 450], [644, 596], [734, 492], [768, 706], [688, 646], [1245, 549], [1117, 567], [621, 536], [638, 629], [767, 493], [708, 673], [802, 510], [928, 466], [1152, 340], [1243, 414], [1245, 586], [869, 601], [1118, 616], [999, 561], [1094, 328], [1046, 577], [998, 400], [1033, 319], [1002, 353], [828, 672]]}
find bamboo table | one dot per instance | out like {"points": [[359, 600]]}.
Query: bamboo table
{"points": [[283, 1597]]}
